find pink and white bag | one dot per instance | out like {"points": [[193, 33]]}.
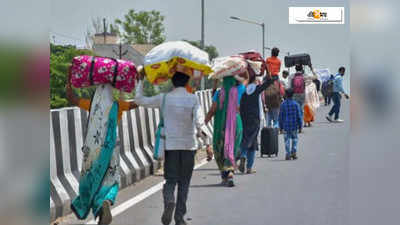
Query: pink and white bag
{"points": [[87, 71]]}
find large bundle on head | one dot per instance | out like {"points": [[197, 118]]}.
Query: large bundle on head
{"points": [[257, 63], [228, 66], [87, 71], [236, 66], [164, 60]]}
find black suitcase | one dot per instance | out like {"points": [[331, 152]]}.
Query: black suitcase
{"points": [[292, 60], [269, 141]]}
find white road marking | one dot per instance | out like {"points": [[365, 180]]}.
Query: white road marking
{"points": [[140, 197]]}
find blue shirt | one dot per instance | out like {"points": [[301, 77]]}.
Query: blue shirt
{"points": [[241, 89], [338, 84], [290, 118]]}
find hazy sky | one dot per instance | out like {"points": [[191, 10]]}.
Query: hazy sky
{"points": [[328, 45]]}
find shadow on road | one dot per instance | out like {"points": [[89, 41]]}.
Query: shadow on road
{"points": [[206, 169], [205, 185], [279, 160], [214, 174]]}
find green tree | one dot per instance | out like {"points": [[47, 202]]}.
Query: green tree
{"points": [[143, 27], [210, 49]]}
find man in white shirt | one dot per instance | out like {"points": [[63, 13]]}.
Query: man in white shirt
{"points": [[285, 80], [183, 120]]}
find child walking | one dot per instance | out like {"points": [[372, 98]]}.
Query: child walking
{"points": [[290, 121]]}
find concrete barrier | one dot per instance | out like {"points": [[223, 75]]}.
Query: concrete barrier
{"points": [[136, 138]]}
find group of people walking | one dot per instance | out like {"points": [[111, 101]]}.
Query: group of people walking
{"points": [[237, 109]]}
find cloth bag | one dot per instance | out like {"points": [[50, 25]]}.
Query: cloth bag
{"points": [[159, 148], [88, 71], [228, 66]]}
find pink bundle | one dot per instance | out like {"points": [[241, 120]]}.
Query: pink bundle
{"points": [[87, 70]]}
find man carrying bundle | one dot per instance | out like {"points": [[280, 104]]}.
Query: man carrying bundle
{"points": [[182, 110], [182, 116]]}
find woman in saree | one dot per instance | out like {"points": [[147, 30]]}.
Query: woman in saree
{"points": [[227, 125], [99, 178], [311, 103]]}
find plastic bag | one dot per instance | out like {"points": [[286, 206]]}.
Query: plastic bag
{"points": [[161, 63]]}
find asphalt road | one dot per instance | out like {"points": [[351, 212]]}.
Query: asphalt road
{"points": [[312, 190]]}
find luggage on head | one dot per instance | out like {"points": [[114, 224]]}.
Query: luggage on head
{"points": [[161, 63], [228, 66], [256, 57], [87, 71], [302, 59]]}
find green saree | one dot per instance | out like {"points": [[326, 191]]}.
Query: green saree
{"points": [[220, 122]]}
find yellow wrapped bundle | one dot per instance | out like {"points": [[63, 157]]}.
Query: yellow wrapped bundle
{"points": [[161, 63]]}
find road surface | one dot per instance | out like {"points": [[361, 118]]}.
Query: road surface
{"points": [[309, 191]]}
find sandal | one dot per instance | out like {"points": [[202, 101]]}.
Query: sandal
{"points": [[230, 180], [224, 178], [241, 165], [105, 213]]}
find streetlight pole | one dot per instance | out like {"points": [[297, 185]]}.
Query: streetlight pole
{"points": [[263, 34], [120, 54], [104, 30], [202, 40], [202, 24], [256, 23]]}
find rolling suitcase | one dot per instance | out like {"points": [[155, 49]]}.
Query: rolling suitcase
{"points": [[269, 141], [292, 60]]}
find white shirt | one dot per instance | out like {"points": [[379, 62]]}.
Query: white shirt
{"points": [[285, 82], [183, 116]]}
